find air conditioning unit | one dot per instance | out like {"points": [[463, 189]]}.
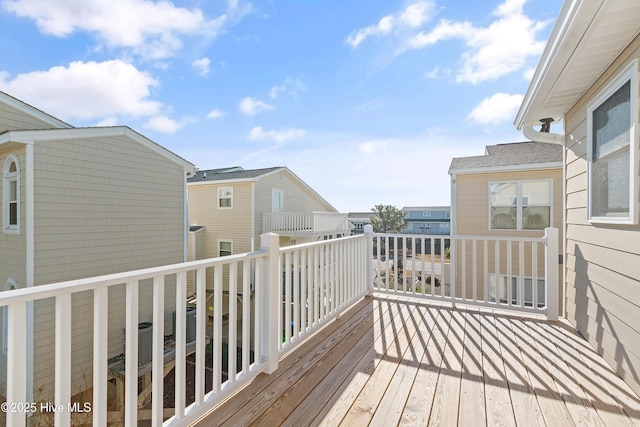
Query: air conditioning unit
{"points": [[191, 324], [145, 343]]}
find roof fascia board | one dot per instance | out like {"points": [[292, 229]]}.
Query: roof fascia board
{"points": [[33, 136], [507, 168], [32, 111], [571, 25]]}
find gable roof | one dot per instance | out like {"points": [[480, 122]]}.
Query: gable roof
{"points": [[586, 38], [235, 173], [238, 174], [510, 157], [9, 100], [34, 136]]}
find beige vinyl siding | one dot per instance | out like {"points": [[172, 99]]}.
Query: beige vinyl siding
{"points": [[103, 205], [221, 224], [472, 219], [13, 119], [297, 198], [603, 261]]}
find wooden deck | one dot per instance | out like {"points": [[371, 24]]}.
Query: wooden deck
{"points": [[394, 362]]}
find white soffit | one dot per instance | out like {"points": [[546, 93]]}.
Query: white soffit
{"points": [[586, 39]]}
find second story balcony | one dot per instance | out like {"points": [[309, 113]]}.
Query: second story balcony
{"points": [[334, 332], [306, 224]]}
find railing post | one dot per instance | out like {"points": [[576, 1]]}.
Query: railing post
{"points": [[551, 271], [270, 300], [16, 362], [368, 234]]}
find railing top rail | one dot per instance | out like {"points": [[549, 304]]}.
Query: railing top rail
{"points": [[319, 243], [78, 285], [458, 237]]}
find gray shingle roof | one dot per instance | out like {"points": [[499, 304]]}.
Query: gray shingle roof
{"points": [[235, 172], [517, 153]]}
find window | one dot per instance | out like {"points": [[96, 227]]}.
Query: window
{"points": [[611, 151], [11, 192], [10, 285], [426, 213], [520, 205], [225, 197], [225, 248]]}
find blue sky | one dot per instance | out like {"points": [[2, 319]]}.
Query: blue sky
{"points": [[367, 101]]}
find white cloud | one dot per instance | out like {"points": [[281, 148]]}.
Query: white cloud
{"points": [[491, 52], [372, 147], [413, 16], [163, 124], [215, 114], [291, 85], [202, 66], [86, 90], [279, 136], [251, 106], [496, 109], [151, 28]]}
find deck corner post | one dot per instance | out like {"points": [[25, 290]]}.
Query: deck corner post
{"points": [[551, 271], [270, 242], [368, 233]]}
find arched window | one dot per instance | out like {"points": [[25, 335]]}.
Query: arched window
{"points": [[11, 284], [11, 195]]}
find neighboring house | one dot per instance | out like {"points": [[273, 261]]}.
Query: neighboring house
{"points": [[358, 220], [589, 78], [427, 220], [76, 203], [512, 190], [235, 206]]}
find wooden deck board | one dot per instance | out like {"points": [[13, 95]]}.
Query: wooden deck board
{"points": [[390, 361]]}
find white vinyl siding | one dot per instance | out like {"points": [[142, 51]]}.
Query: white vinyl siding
{"points": [[611, 151]]}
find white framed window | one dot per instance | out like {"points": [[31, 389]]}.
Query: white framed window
{"points": [[225, 247], [520, 205], [612, 147], [426, 214], [11, 195], [225, 198], [11, 284]]}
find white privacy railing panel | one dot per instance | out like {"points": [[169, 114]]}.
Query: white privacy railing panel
{"points": [[243, 272], [504, 272], [318, 281], [306, 223], [276, 298]]}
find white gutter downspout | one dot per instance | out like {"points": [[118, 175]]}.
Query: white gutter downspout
{"points": [[534, 135]]}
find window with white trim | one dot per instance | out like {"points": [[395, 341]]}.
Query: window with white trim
{"points": [[225, 247], [520, 205], [612, 146], [225, 197], [11, 198], [10, 285]]}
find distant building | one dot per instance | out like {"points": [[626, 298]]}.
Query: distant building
{"points": [[358, 220], [428, 220]]}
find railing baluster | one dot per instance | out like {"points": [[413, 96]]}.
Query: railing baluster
{"points": [[286, 322], [217, 328], [534, 275], [474, 270], [442, 275], [201, 329], [246, 316], [296, 294], [485, 274], [232, 345], [157, 358], [131, 352], [521, 293], [181, 340], [16, 361], [63, 359], [432, 241], [100, 355], [509, 274]]}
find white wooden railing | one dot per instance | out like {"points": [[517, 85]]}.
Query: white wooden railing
{"points": [[293, 292], [512, 273], [306, 223]]}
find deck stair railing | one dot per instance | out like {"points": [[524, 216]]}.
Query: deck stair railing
{"points": [[285, 295]]}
